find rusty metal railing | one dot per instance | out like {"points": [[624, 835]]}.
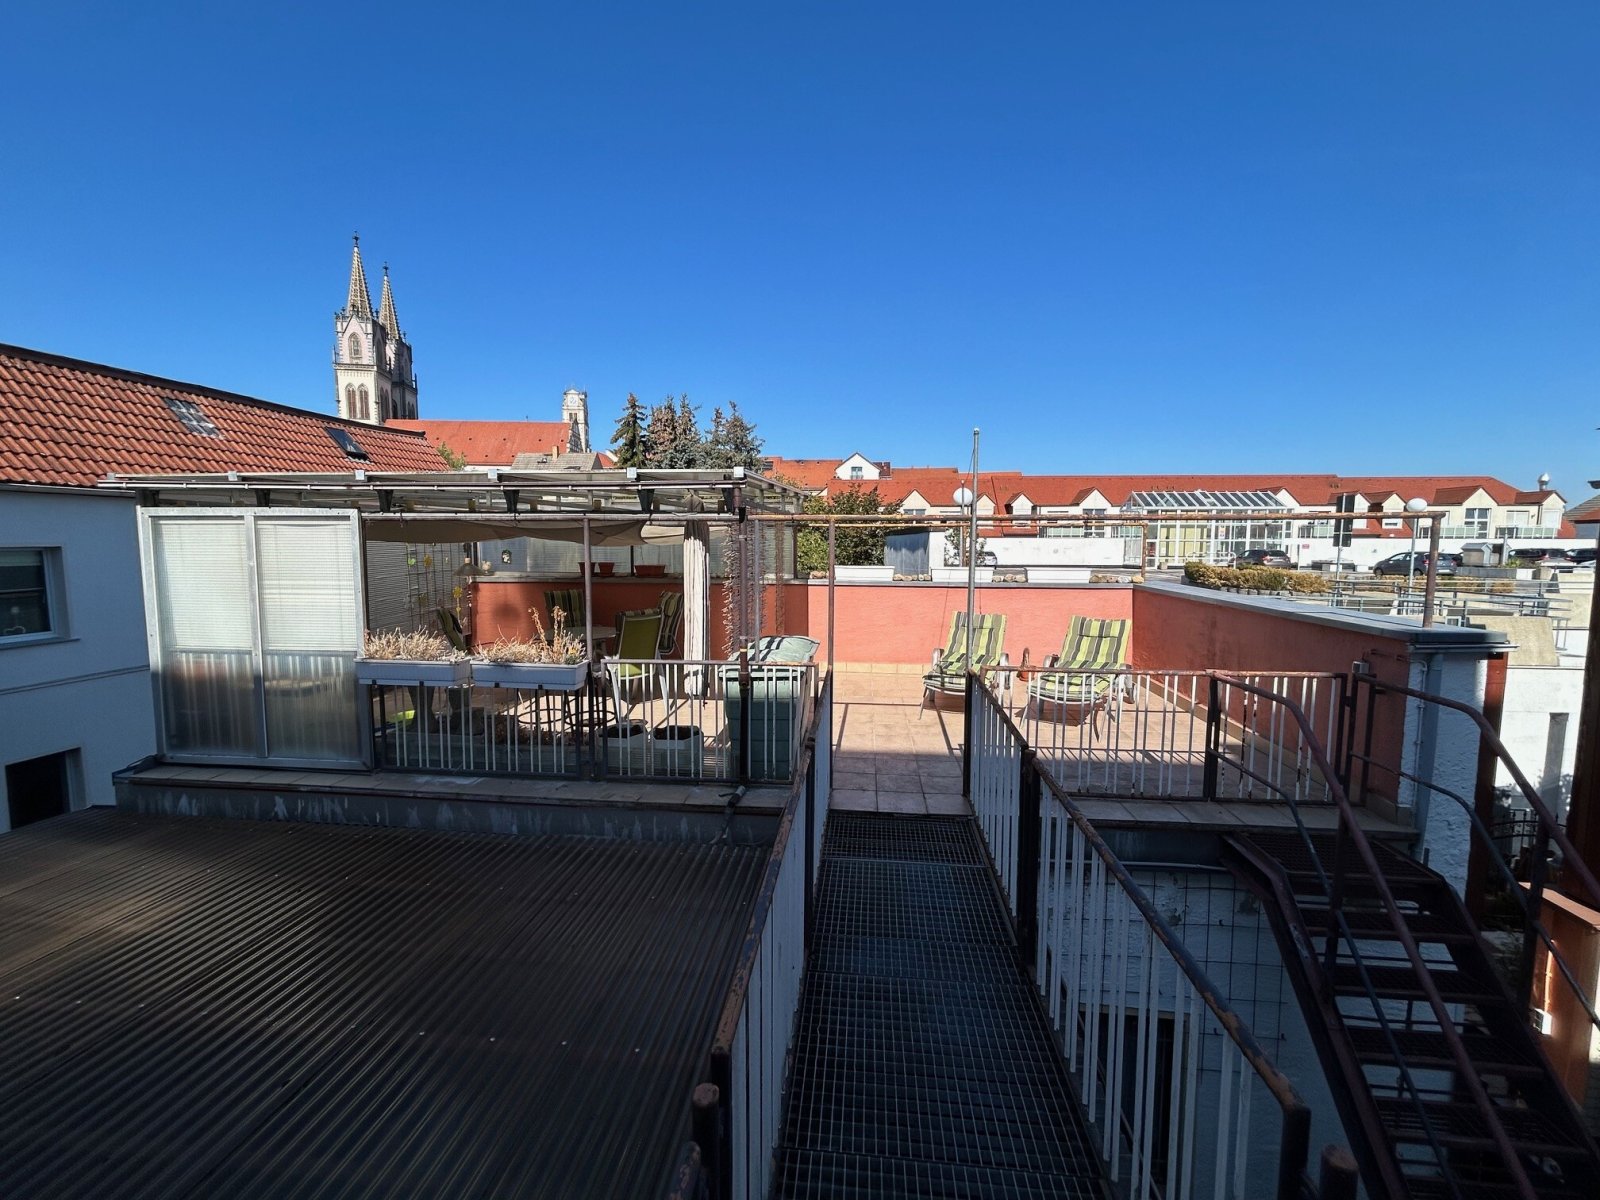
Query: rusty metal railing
{"points": [[1085, 928]]}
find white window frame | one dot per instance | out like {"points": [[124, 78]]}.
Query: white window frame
{"points": [[54, 600]]}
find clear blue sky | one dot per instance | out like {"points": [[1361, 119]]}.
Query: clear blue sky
{"points": [[1357, 237]]}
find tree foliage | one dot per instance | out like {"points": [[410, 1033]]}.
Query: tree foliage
{"points": [[853, 545], [451, 459], [629, 444], [670, 437]]}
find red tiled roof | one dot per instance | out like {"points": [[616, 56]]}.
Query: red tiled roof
{"points": [[805, 472], [68, 422], [1586, 512], [492, 443]]}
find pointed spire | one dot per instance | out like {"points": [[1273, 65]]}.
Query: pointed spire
{"points": [[386, 314], [360, 302]]}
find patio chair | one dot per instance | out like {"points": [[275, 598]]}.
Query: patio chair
{"points": [[671, 622], [948, 677], [1096, 646], [638, 638], [569, 601]]}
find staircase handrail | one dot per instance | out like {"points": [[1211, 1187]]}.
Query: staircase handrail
{"points": [[1349, 827], [1549, 826], [1523, 898], [1296, 1139]]}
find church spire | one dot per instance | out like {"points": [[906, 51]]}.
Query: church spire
{"points": [[359, 303], [386, 314]]}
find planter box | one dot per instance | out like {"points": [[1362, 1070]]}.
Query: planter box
{"points": [[864, 574], [412, 672], [627, 747], [678, 750], [552, 677], [959, 574]]}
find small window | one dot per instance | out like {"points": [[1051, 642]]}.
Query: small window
{"points": [[343, 440], [193, 418], [857, 472], [26, 611], [355, 347]]}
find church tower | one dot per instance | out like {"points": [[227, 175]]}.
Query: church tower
{"points": [[575, 412], [372, 375]]}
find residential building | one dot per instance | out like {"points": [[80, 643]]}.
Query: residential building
{"points": [[75, 687], [1175, 518]]}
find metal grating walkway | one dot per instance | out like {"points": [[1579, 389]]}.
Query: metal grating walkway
{"points": [[922, 1064]]}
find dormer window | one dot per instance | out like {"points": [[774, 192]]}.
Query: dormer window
{"points": [[354, 344], [856, 472]]}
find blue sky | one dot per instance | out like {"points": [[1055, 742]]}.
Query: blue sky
{"points": [[1358, 237]]}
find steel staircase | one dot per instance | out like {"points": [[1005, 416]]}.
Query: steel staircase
{"points": [[1440, 1082]]}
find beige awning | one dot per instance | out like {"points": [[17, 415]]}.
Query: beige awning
{"points": [[422, 530]]}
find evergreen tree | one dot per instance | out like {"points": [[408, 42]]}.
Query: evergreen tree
{"points": [[733, 441], [661, 435], [689, 450], [629, 443]]}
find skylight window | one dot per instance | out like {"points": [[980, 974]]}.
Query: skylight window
{"points": [[193, 417], [343, 440]]}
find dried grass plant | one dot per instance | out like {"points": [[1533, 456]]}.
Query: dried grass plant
{"points": [[563, 647], [416, 644]]}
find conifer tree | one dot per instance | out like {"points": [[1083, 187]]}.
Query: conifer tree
{"points": [[629, 444]]}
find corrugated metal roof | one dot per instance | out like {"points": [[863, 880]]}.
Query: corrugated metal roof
{"points": [[213, 1008]]}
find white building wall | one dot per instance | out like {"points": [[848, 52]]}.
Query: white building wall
{"points": [[89, 690], [1442, 745], [1539, 726]]}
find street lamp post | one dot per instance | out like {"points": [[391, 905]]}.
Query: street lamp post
{"points": [[966, 498], [1415, 505]]}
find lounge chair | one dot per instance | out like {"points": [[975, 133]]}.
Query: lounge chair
{"points": [[949, 674], [1093, 651]]}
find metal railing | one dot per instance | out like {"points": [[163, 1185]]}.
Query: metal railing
{"points": [[1516, 854], [738, 1109], [1146, 734], [648, 719], [1353, 848], [1164, 1067]]}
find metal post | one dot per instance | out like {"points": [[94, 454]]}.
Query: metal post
{"points": [[809, 755], [1494, 699], [832, 564], [722, 1080], [1208, 786], [1294, 1147], [1338, 1177], [972, 550], [1538, 873], [1030, 842], [968, 724], [1583, 810], [744, 715], [707, 1099], [1431, 588]]}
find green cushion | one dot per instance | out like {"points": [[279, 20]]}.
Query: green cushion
{"points": [[788, 648]]}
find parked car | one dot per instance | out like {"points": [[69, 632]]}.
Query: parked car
{"points": [[1584, 558], [1264, 558], [1531, 556], [1416, 564]]}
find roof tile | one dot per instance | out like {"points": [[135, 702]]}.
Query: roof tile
{"points": [[78, 422]]}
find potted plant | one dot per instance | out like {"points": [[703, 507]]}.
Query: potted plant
{"points": [[411, 658], [678, 750], [556, 661], [626, 746]]}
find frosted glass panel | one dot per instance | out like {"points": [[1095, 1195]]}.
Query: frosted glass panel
{"points": [[202, 584], [308, 585]]}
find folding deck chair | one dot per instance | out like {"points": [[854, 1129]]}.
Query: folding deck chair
{"points": [[949, 674], [1096, 647]]}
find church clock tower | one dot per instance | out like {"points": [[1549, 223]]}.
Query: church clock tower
{"points": [[372, 375]]}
